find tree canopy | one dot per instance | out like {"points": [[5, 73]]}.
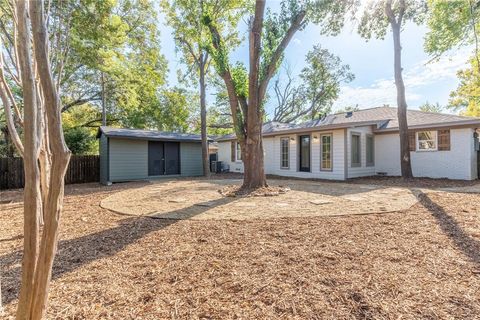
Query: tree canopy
{"points": [[319, 87]]}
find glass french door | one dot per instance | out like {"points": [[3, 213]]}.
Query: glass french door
{"points": [[304, 153]]}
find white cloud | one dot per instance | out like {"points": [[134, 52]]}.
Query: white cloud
{"points": [[417, 79]]}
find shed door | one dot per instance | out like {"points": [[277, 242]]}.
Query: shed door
{"points": [[172, 158], [156, 158]]}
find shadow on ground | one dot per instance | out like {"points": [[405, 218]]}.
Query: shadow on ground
{"points": [[74, 253], [450, 227]]}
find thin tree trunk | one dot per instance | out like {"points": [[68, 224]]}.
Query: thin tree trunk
{"points": [[203, 118], [406, 167], [60, 156], [30, 157], [104, 109]]}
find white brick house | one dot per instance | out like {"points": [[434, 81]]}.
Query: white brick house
{"points": [[366, 143]]}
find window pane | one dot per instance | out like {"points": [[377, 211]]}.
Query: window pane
{"points": [[284, 152], [326, 152], [427, 140], [239, 152], [355, 149], [370, 150], [425, 135]]}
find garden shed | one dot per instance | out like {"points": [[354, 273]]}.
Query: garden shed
{"points": [[131, 154]]}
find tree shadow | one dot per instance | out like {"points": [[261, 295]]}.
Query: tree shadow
{"points": [[462, 240], [74, 253]]}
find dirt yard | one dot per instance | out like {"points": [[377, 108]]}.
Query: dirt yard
{"points": [[418, 263], [201, 199]]}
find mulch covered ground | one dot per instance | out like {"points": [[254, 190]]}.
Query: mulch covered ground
{"points": [[422, 263]]}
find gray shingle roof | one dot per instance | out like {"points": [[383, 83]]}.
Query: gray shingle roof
{"points": [[149, 134], [384, 118]]}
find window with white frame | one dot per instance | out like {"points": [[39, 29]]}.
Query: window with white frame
{"points": [[427, 140], [370, 148], [239, 152], [326, 163], [356, 160], [284, 153]]}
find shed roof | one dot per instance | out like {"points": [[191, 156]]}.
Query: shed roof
{"points": [[148, 134]]}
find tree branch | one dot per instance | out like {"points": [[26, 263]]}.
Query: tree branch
{"points": [[272, 66]]}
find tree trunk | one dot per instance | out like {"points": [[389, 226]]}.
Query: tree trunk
{"points": [[60, 156], [253, 160], [203, 118], [104, 110], [254, 172], [406, 167], [31, 194]]}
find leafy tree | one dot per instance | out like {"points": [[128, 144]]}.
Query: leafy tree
{"points": [[466, 98], [431, 107], [376, 19], [452, 24], [79, 140], [319, 88], [348, 109], [191, 38], [268, 39]]}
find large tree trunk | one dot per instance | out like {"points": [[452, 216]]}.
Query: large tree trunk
{"points": [[253, 162], [254, 172], [203, 118], [406, 167]]}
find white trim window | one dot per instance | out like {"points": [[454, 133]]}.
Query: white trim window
{"points": [[370, 150], [326, 152], [356, 147], [427, 140], [238, 153], [285, 153]]}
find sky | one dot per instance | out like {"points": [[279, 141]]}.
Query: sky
{"points": [[371, 62]]}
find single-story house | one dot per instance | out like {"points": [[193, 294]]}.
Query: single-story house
{"points": [[366, 143], [130, 154]]}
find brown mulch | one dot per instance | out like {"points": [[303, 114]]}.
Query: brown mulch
{"points": [[422, 263]]}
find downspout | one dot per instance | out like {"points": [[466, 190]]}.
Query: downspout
{"points": [[345, 154]]}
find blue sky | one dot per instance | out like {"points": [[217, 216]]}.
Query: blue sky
{"points": [[371, 62]]}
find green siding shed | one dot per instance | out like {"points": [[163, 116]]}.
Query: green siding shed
{"points": [[125, 154]]}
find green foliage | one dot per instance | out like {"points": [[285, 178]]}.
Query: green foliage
{"points": [[348, 109], [451, 25], [80, 141], [322, 78], [318, 89], [466, 98], [431, 107], [374, 22], [175, 111]]}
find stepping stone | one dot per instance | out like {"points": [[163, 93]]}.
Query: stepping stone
{"points": [[178, 200], [320, 201], [245, 204], [353, 198], [282, 204]]}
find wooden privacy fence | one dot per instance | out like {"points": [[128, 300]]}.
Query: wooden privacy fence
{"points": [[81, 169]]}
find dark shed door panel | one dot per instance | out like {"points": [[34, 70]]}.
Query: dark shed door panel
{"points": [[172, 158], [156, 158]]}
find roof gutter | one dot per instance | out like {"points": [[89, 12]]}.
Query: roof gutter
{"points": [[451, 124], [317, 128]]}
